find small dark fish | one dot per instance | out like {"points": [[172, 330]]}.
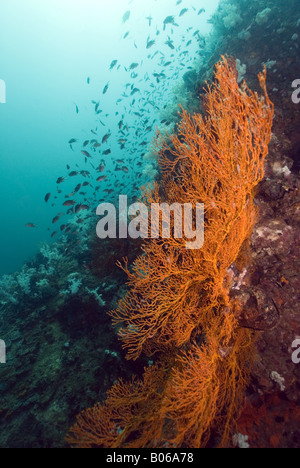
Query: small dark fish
{"points": [[86, 154], [81, 208], [126, 16], [150, 44], [133, 66], [53, 234], [125, 169], [77, 188], [105, 88], [126, 35], [57, 218], [88, 80], [113, 64], [69, 203], [183, 11], [201, 11], [76, 107], [102, 166], [135, 90], [73, 173], [170, 44], [149, 18], [120, 124], [169, 20], [106, 137], [71, 142], [47, 197], [86, 143], [101, 178], [30, 225], [60, 180]]}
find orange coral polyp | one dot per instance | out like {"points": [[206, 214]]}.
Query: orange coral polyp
{"points": [[178, 306]]}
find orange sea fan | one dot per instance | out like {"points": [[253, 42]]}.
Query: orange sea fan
{"points": [[216, 160], [130, 417], [178, 306]]}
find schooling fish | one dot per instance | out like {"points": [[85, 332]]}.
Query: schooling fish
{"points": [[47, 197], [150, 44], [126, 16], [30, 225], [106, 137], [101, 178], [105, 88], [77, 188], [183, 11], [57, 218], [133, 66], [60, 180], [81, 207], [169, 20], [71, 142], [102, 166], [113, 64], [69, 203], [170, 44]]}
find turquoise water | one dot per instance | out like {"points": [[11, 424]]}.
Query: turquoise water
{"points": [[56, 55]]}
